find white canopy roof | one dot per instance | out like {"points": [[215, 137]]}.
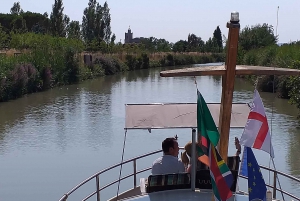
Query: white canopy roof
{"points": [[178, 115]]}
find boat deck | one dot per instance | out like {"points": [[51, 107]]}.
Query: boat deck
{"points": [[183, 194], [136, 193]]}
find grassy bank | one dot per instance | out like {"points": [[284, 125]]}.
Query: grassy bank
{"points": [[55, 62]]}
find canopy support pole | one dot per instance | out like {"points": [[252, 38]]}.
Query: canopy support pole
{"points": [[193, 161]]}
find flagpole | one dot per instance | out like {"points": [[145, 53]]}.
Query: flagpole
{"points": [[237, 178]]}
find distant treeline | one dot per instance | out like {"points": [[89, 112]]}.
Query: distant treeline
{"points": [[94, 32]]}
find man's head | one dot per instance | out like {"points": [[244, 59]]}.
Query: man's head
{"points": [[170, 147]]}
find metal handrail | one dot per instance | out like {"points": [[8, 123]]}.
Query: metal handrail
{"points": [[65, 196], [135, 172], [281, 173], [275, 172], [274, 188], [116, 181]]}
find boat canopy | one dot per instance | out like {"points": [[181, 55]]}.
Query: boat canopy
{"points": [[178, 115], [221, 70]]}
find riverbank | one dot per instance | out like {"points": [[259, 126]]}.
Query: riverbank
{"points": [[43, 68], [285, 56], [65, 63]]}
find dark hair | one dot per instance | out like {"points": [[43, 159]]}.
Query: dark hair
{"points": [[167, 144]]}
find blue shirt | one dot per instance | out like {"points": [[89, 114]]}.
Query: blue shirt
{"points": [[167, 164]]}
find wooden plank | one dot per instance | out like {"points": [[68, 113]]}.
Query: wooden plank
{"points": [[220, 70], [196, 71], [227, 91], [262, 70]]}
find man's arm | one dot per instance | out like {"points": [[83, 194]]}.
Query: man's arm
{"points": [[237, 146]]}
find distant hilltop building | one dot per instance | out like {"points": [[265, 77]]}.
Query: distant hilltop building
{"points": [[129, 37]]}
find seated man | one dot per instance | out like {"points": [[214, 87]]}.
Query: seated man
{"points": [[169, 162]]}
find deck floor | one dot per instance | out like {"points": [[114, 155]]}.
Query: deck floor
{"points": [[181, 195]]}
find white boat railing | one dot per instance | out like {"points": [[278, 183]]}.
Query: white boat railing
{"points": [[135, 173]]}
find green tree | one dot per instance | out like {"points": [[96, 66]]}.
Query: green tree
{"points": [[180, 46], [195, 44], [105, 26], [27, 21], [19, 25], [74, 30], [293, 83], [66, 23], [36, 22], [218, 37], [88, 21], [3, 38], [58, 21], [112, 43], [103, 47], [211, 45], [98, 23], [150, 44], [257, 37], [163, 46], [16, 9]]}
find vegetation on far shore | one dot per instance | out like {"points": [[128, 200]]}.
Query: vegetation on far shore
{"points": [[53, 47], [285, 56]]}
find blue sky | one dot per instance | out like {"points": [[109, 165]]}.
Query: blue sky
{"points": [[174, 20]]}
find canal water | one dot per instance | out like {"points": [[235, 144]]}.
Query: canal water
{"points": [[53, 140]]}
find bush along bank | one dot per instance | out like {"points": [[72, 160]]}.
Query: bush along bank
{"points": [[286, 56], [41, 68]]}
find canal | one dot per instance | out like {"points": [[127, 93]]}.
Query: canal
{"points": [[51, 141]]}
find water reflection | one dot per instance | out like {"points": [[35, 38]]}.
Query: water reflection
{"points": [[52, 115], [293, 146], [137, 75], [217, 80]]}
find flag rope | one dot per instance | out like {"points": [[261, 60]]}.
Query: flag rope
{"points": [[271, 133], [120, 173], [272, 114], [256, 82], [272, 106], [277, 179], [195, 80], [271, 127]]}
